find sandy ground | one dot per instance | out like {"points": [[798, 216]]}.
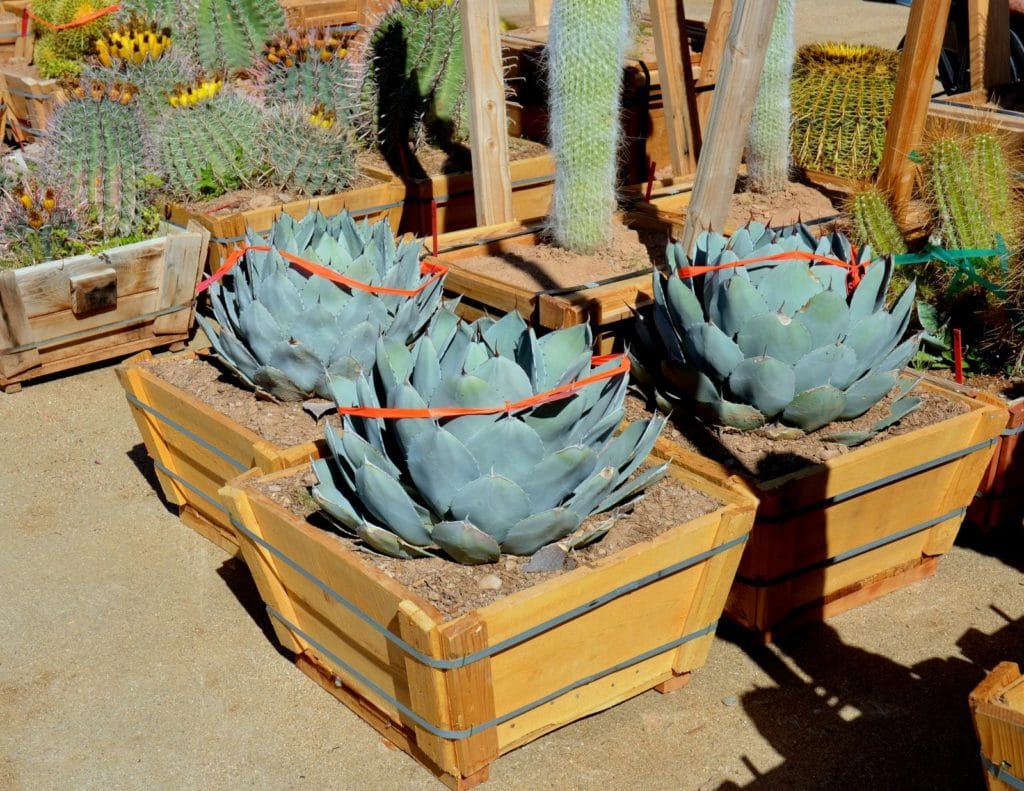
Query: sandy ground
{"points": [[134, 654]]}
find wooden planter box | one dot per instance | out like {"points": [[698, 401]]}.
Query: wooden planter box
{"points": [[380, 201], [974, 111], [196, 450], [455, 695], [605, 305], [533, 180], [1000, 499], [30, 100], [63, 314], [321, 13], [997, 706], [833, 536]]}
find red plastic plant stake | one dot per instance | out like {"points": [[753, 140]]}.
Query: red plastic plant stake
{"points": [[433, 224], [958, 358]]}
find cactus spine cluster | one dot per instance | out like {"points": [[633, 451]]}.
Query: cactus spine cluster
{"points": [[874, 223], [768, 138], [586, 51], [310, 68], [959, 211], [230, 32], [842, 97], [309, 152], [96, 139], [416, 79], [61, 53]]}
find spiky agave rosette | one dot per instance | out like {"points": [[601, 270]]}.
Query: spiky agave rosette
{"points": [[775, 340], [474, 486], [291, 333]]}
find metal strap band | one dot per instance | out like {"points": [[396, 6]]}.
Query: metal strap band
{"points": [[1013, 432], [1002, 773], [450, 664], [986, 110], [355, 213], [38, 96], [525, 231], [445, 733], [191, 435], [441, 199], [869, 487], [190, 486], [556, 292], [755, 582], [112, 326]]}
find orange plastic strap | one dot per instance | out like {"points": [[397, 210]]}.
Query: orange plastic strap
{"points": [[85, 20], [437, 270], [853, 267], [557, 394]]}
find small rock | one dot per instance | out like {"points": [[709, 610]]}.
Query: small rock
{"points": [[731, 700], [433, 595], [510, 565], [490, 582], [549, 558], [274, 487]]}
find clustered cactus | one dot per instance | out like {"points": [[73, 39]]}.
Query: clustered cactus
{"points": [[585, 53], [61, 53], [311, 68], [231, 31], [842, 96], [293, 335], [873, 223], [322, 163], [475, 486], [416, 75], [768, 156], [36, 221], [775, 340]]}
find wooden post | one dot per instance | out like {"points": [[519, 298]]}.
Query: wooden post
{"points": [[488, 124], [733, 104], [711, 57], [668, 22], [989, 26], [369, 11], [540, 12], [925, 30]]}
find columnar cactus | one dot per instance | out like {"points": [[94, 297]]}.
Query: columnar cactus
{"points": [[775, 340], [996, 187], [874, 224], [842, 98], [309, 151], [415, 81], [586, 52], [296, 335], [960, 213], [475, 486], [768, 139]]}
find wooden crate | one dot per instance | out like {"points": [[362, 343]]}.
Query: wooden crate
{"points": [[64, 314], [379, 201], [1000, 499], [997, 706], [10, 31], [17, 32], [457, 694], [533, 180], [976, 112], [32, 100], [196, 450], [321, 13], [830, 537]]}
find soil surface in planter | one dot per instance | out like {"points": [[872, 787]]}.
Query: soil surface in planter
{"points": [[430, 160], [796, 202], [1009, 388], [284, 423], [757, 454], [545, 267], [456, 589]]}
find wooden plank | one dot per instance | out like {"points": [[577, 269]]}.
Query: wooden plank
{"points": [[925, 30], [180, 279], [998, 714], [668, 25], [540, 12], [989, 26], [488, 126], [93, 291], [730, 116], [711, 57]]}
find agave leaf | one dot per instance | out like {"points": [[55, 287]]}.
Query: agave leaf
{"points": [[426, 373], [826, 317], [631, 488], [387, 543], [765, 383], [335, 504], [871, 339], [789, 286], [506, 377], [901, 355], [466, 543], [866, 392], [558, 474], [505, 335], [314, 329], [493, 503], [589, 537], [561, 349], [302, 366], [711, 350], [849, 438], [901, 407], [360, 342], [357, 452], [278, 384], [821, 365], [384, 498], [511, 449], [774, 335], [603, 429], [735, 304], [440, 466], [262, 331], [280, 297], [554, 422], [592, 491], [575, 368], [869, 296], [408, 429], [531, 359], [533, 532], [814, 408], [626, 458], [394, 363], [231, 351], [322, 292], [683, 304], [663, 323]]}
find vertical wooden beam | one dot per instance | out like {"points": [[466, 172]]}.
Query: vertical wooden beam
{"points": [[488, 124], [540, 12], [733, 104], [673, 53], [989, 26], [926, 28], [711, 57]]}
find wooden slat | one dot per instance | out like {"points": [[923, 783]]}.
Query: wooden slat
{"points": [[989, 26], [179, 282], [668, 25], [998, 714], [925, 30], [730, 116], [711, 57], [488, 126], [540, 11]]}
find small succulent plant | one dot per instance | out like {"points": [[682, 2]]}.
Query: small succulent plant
{"points": [[477, 485], [775, 340], [289, 333]]}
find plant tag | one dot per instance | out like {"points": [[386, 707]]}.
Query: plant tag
{"points": [[93, 291]]}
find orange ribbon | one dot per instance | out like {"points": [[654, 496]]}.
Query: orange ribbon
{"points": [[437, 270], [802, 255], [556, 394], [85, 20]]}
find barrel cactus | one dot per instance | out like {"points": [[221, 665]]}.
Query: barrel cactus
{"points": [[776, 340], [288, 333], [477, 485]]}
